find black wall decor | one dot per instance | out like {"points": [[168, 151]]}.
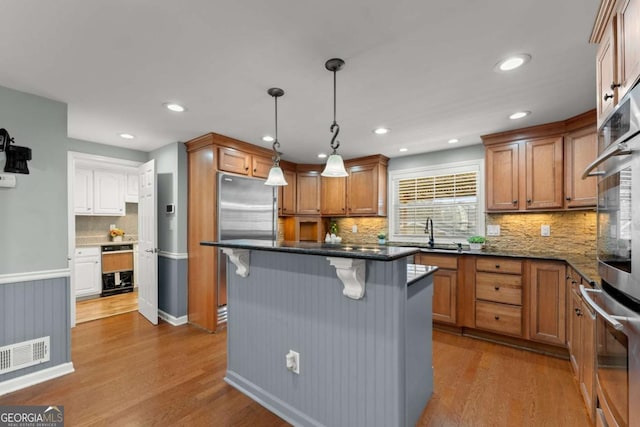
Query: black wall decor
{"points": [[17, 157]]}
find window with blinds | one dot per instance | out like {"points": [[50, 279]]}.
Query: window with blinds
{"points": [[452, 200]]}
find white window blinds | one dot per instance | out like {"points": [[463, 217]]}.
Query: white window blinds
{"points": [[451, 200]]}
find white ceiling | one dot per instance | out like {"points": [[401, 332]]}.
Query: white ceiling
{"points": [[423, 68]]}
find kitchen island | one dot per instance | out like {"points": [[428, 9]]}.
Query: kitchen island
{"points": [[358, 317]]}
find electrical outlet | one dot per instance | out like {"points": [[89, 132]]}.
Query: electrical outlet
{"points": [[545, 230], [292, 360], [112, 226], [493, 230], [354, 228]]}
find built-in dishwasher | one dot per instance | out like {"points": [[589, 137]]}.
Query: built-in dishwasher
{"points": [[117, 269]]}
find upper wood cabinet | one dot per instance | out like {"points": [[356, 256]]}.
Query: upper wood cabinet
{"points": [[243, 163], [333, 200], [287, 194], [580, 149], [617, 31], [540, 168], [308, 192], [366, 190]]}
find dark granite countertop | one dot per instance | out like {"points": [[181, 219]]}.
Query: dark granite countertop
{"points": [[416, 272], [585, 265], [370, 252]]}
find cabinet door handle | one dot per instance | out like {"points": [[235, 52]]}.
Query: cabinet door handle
{"points": [[515, 202], [88, 209], [496, 317], [497, 288], [607, 96], [614, 85]]}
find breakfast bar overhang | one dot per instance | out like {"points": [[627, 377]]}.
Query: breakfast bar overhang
{"points": [[358, 317]]}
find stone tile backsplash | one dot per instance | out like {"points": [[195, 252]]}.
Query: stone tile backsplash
{"points": [[91, 229]]}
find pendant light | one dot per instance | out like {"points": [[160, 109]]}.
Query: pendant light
{"points": [[276, 177], [335, 164]]}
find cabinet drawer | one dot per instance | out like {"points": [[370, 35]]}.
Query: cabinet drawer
{"points": [[442, 261], [499, 265], [88, 251], [505, 288], [502, 318]]}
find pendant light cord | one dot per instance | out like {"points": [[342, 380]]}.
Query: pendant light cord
{"points": [[334, 126], [276, 144]]}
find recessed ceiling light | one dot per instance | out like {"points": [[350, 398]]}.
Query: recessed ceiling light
{"points": [[519, 115], [126, 136], [512, 62], [174, 107], [402, 150], [267, 138], [452, 141], [381, 131], [322, 156]]}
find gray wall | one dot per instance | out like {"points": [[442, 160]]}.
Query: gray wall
{"points": [[33, 215], [471, 152], [81, 146], [171, 168]]}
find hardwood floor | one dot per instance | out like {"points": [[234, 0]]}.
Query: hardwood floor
{"points": [[99, 308], [130, 373]]}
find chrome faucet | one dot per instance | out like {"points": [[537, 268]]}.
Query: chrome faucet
{"points": [[429, 229]]}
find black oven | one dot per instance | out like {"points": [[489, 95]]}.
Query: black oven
{"points": [[617, 298]]}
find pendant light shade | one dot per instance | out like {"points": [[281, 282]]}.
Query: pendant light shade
{"points": [[335, 164], [276, 177]]}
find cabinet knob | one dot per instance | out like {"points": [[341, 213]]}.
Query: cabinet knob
{"points": [[607, 96], [255, 170], [568, 199], [317, 210], [497, 288], [614, 85], [246, 168], [528, 200], [515, 202], [88, 209], [496, 317], [497, 265]]}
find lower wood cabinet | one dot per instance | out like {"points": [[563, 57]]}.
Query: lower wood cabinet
{"points": [[547, 302], [497, 317], [445, 286]]}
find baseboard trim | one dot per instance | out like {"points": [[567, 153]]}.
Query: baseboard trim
{"points": [[269, 401], [34, 275], [172, 320], [34, 378]]}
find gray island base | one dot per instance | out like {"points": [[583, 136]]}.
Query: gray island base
{"points": [[359, 319]]}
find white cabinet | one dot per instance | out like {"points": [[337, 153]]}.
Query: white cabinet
{"points": [[87, 271], [83, 192], [99, 192], [108, 196], [131, 194]]}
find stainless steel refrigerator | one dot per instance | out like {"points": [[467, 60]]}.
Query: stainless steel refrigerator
{"points": [[247, 209]]}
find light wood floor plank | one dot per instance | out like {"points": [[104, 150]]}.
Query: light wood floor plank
{"points": [[130, 373]]}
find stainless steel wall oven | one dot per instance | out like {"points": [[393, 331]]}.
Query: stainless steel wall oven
{"points": [[617, 299]]}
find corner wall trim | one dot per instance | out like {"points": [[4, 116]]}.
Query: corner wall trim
{"points": [[34, 275], [34, 378], [172, 320], [173, 255]]}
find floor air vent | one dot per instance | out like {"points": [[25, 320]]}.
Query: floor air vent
{"points": [[24, 354]]}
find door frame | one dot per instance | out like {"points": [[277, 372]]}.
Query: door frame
{"points": [[74, 158]]}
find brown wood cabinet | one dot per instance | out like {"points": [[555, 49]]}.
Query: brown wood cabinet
{"points": [[580, 149], [333, 201], [308, 192], [243, 163], [498, 286], [366, 192], [287, 194], [445, 286], [540, 168], [617, 31], [581, 341], [547, 302]]}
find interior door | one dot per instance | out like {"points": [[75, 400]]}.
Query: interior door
{"points": [[147, 243]]}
